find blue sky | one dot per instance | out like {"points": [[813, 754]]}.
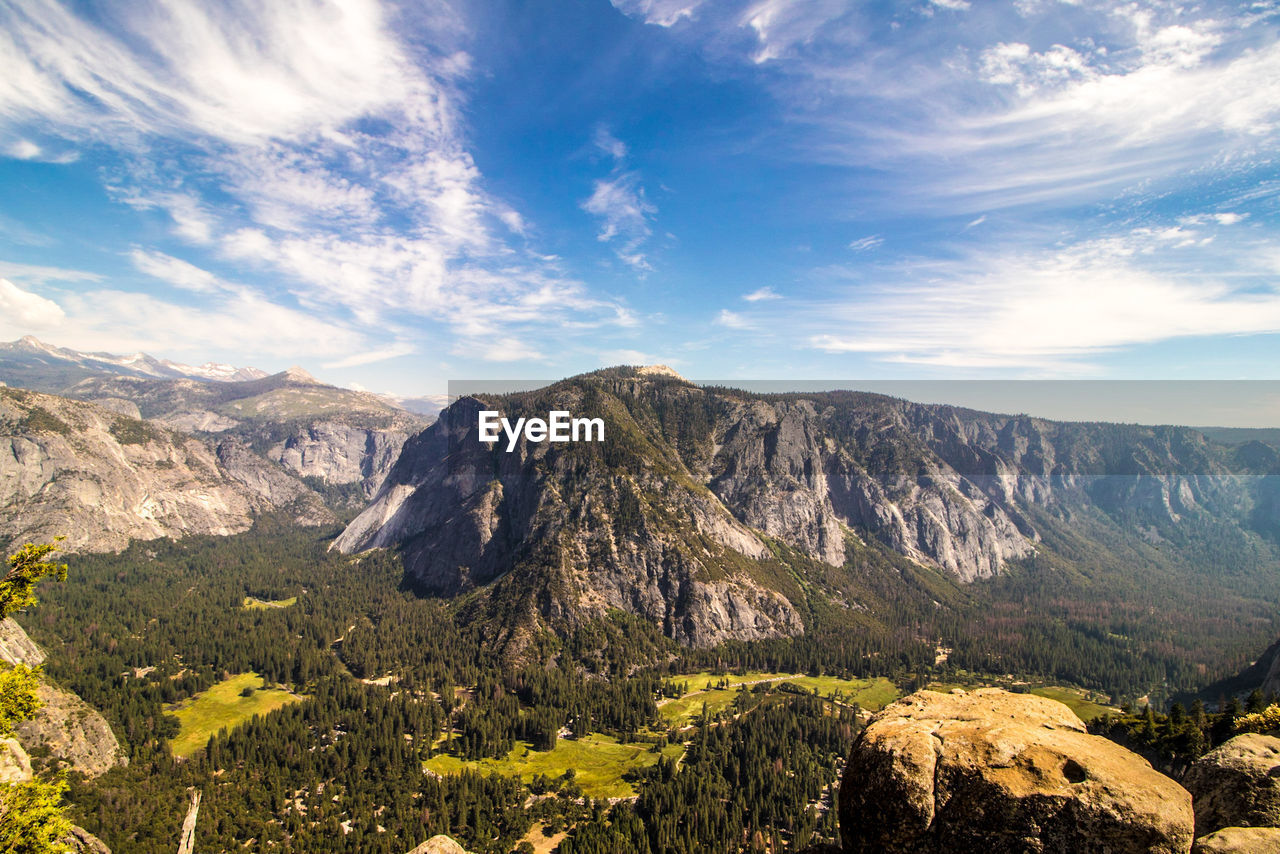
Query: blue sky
{"points": [[393, 196]]}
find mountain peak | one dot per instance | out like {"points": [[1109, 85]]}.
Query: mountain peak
{"points": [[296, 374], [659, 371]]}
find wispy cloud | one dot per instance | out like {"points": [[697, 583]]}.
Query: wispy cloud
{"points": [[866, 244], [305, 143], [765, 293], [733, 320], [624, 212], [1017, 307]]}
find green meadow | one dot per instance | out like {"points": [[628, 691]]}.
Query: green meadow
{"points": [[598, 762], [222, 707], [1076, 700], [251, 603], [870, 694]]}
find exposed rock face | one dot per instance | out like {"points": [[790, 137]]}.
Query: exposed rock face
{"points": [[582, 535], [101, 479], [1239, 840], [73, 732], [674, 501], [340, 453], [439, 844], [1237, 784], [81, 841], [15, 762], [310, 429], [272, 485], [996, 772], [16, 647]]}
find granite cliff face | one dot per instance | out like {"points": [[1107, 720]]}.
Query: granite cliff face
{"points": [[583, 532], [69, 468], [72, 732], [680, 513], [311, 430]]}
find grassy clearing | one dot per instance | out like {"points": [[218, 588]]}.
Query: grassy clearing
{"points": [[872, 694], [1076, 700], [683, 710], [598, 761], [223, 707], [251, 603]]}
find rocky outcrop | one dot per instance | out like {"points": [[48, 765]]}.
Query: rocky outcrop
{"points": [[73, 733], [1239, 840], [439, 844], [339, 453], [81, 841], [1237, 784], [272, 485], [691, 481], [997, 772], [15, 762], [16, 647], [100, 479]]}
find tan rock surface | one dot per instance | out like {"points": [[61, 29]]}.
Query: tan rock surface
{"points": [[1239, 840], [439, 844], [73, 732], [995, 772], [1237, 784]]}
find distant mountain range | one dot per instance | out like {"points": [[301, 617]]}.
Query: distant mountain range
{"points": [[31, 363], [110, 448]]}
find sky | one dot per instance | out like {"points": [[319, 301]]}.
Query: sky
{"points": [[394, 196]]}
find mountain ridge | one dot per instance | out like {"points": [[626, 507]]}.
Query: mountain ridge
{"points": [[965, 493]]}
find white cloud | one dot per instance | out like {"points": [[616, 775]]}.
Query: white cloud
{"points": [[866, 244], [176, 272], [42, 274], [662, 13], [24, 311], [306, 142], [762, 294], [126, 321], [1027, 308], [24, 149], [369, 357], [954, 5], [609, 144], [619, 202], [733, 320]]}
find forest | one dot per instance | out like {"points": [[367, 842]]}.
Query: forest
{"points": [[387, 679]]}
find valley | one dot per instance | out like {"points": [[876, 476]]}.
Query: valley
{"points": [[665, 640]]}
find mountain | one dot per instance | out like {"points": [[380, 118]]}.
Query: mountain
{"points": [[721, 514], [340, 437], [31, 363], [343, 439], [71, 468]]}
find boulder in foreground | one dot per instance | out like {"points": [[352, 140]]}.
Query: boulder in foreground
{"points": [[1237, 784], [1239, 840], [996, 772]]}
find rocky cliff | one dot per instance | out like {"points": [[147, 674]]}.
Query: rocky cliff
{"points": [[101, 479], [680, 513], [71, 732], [311, 430]]}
